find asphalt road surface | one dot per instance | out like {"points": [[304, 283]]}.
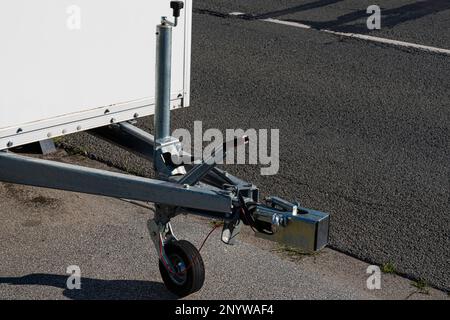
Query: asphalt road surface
{"points": [[364, 127], [43, 232]]}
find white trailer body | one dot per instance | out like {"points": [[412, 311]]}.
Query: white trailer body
{"points": [[73, 65]]}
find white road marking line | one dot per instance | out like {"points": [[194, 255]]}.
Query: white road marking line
{"points": [[288, 23], [358, 36], [236, 14], [389, 41]]}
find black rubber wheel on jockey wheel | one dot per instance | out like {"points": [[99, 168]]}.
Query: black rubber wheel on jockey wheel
{"points": [[189, 274]]}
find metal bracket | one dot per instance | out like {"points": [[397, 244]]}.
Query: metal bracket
{"points": [[166, 151], [47, 146], [161, 234], [230, 231], [199, 171]]}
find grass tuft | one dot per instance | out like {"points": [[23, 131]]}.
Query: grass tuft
{"points": [[293, 253], [58, 140], [76, 151], [216, 223], [421, 285], [388, 268]]}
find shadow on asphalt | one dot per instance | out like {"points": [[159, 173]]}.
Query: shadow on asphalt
{"points": [[302, 7], [96, 289], [390, 17]]}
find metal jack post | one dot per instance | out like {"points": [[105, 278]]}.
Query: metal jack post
{"points": [[178, 277], [166, 146]]}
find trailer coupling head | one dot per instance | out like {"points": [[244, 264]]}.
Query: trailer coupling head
{"points": [[288, 223]]}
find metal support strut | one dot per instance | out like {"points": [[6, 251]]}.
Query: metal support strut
{"points": [[163, 80], [166, 146]]}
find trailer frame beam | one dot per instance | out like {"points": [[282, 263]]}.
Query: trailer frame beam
{"points": [[62, 176]]}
